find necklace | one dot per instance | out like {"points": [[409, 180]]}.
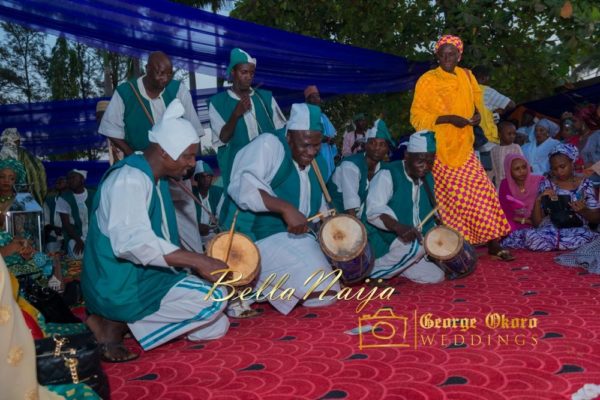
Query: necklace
{"points": [[4, 199]]}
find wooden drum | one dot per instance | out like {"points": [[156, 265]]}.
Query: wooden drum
{"points": [[244, 258], [343, 239], [450, 251]]}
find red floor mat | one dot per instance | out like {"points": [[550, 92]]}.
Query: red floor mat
{"points": [[307, 355]]}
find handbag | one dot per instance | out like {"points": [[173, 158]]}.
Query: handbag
{"points": [[48, 302], [71, 359], [560, 212]]}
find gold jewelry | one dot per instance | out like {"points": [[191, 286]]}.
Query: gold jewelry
{"points": [[522, 221]]}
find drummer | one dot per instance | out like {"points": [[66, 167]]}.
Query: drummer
{"points": [[133, 246], [350, 181], [398, 199], [210, 195], [272, 177]]}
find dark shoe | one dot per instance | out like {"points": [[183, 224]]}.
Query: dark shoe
{"points": [[503, 255]]}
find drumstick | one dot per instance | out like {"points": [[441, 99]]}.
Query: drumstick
{"points": [[321, 181], [187, 191], [230, 238], [321, 214], [427, 218]]}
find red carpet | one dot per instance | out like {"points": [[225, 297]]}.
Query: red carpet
{"points": [[307, 355]]}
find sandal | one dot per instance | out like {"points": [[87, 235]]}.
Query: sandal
{"points": [[503, 255], [251, 313], [116, 353]]}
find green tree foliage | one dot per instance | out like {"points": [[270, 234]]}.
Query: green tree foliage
{"points": [[24, 62], [528, 44], [63, 71]]}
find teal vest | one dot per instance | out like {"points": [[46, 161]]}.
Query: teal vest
{"points": [[286, 186], [136, 122], [51, 202], [214, 195], [77, 224], [224, 104], [337, 197], [115, 288], [402, 205]]}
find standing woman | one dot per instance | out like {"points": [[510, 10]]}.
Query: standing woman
{"points": [[446, 102]]}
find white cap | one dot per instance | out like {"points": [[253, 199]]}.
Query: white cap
{"points": [[80, 172], [173, 133], [202, 167]]}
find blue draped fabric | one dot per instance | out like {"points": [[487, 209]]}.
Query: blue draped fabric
{"points": [[201, 41], [554, 106], [58, 127]]}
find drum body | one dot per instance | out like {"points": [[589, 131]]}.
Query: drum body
{"points": [[244, 258], [447, 248], [343, 239]]}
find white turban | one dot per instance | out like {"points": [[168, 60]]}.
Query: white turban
{"points": [[173, 133], [80, 172]]}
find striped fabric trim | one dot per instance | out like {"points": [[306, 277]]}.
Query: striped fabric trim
{"points": [[414, 247], [171, 328]]}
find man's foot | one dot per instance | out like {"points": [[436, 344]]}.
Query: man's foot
{"points": [[116, 353], [503, 255], [109, 335]]}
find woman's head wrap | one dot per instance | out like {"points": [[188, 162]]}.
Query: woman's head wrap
{"points": [[450, 39], [566, 149], [550, 126], [589, 116], [17, 167]]}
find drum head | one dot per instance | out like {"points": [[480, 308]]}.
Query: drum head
{"points": [[343, 237], [443, 243], [244, 257]]}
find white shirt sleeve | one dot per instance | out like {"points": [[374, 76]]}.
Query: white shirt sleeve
{"points": [[126, 223], [254, 168], [278, 117], [62, 207], [216, 124], [493, 99], [347, 178], [190, 114], [380, 193], [113, 123]]}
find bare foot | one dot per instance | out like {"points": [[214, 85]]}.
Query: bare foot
{"points": [[109, 335]]}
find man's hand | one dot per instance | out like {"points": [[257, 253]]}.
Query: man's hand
{"points": [[295, 221], [244, 105], [78, 248], [407, 234], [204, 229], [205, 265]]}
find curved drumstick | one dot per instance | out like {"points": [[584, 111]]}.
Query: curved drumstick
{"points": [[213, 218], [315, 166], [427, 218], [230, 238], [327, 213]]}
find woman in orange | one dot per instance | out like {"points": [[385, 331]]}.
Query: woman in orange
{"points": [[446, 101]]}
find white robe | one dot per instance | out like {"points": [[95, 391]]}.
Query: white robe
{"points": [[299, 256], [183, 310], [407, 259], [347, 179]]}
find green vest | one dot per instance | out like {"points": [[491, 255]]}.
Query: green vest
{"points": [[69, 197], [337, 196], [224, 104], [136, 122], [51, 202], [402, 205], [286, 186], [214, 195], [115, 288]]}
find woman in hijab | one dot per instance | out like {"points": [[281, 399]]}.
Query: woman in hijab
{"points": [[518, 193], [582, 205], [537, 152]]}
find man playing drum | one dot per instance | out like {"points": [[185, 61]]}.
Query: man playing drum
{"points": [[272, 178], [350, 181], [397, 201], [133, 246]]}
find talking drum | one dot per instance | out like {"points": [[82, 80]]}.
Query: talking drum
{"points": [[343, 239], [447, 248], [244, 258]]}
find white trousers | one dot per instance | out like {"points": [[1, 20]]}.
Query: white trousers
{"points": [[184, 310], [297, 257], [407, 259]]}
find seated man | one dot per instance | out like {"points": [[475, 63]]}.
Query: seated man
{"points": [[398, 198], [350, 181], [272, 178], [210, 196], [73, 206], [133, 246], [52, 225]]}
